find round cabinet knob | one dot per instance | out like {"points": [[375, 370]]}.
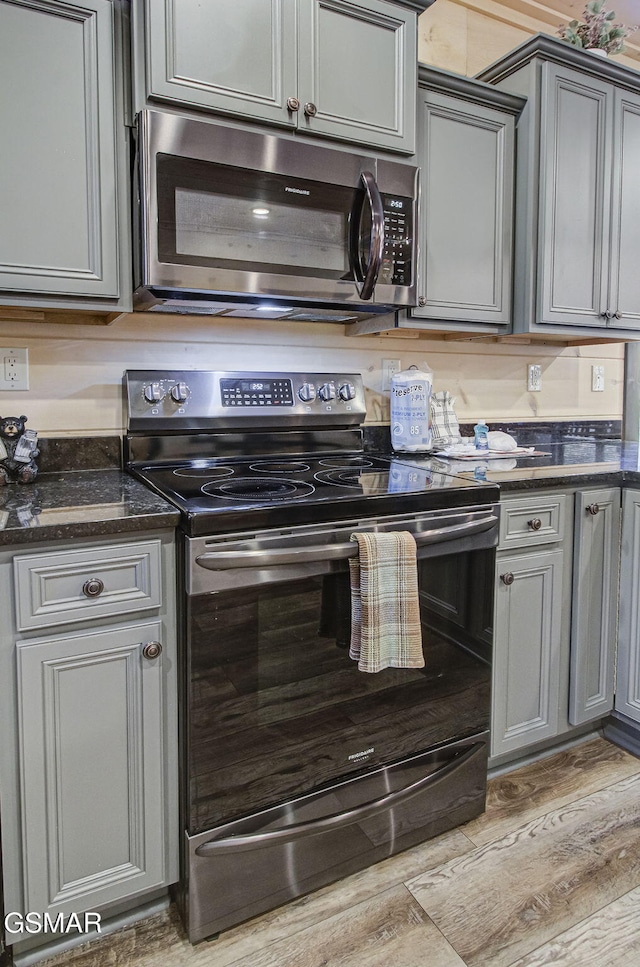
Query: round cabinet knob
{"points": [[618, 314], [180, 392], [310, 109], [347, 391], [507, 578], [593, 509], [535, 524], [307, 392], [153, 393], [293, 103], [152, 649], [93, 588], [327, 392]]}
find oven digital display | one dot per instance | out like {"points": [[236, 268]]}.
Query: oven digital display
{"points": [[256, 392]]}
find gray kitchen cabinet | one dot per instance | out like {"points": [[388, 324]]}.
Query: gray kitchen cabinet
{"points": [[90, 710], [555, 621], [627, 700], [529, 633], [63, 179], [594, 618], [88, 775], [466, 156], [335, 68], [577, 195]]}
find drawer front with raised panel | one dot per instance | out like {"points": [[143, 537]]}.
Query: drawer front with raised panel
{"points": [[529, 521], [93, 582]]}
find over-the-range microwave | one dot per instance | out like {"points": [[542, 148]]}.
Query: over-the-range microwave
{"points": [[236, 222]]}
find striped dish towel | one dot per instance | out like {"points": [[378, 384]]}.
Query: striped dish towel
{"points": [[385, 613]]}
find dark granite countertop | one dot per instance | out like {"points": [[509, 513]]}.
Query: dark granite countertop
{"points": [[104, 500], [578, 463], [80, 503]]}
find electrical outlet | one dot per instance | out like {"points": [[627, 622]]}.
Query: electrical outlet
{"points": [[389, 368], [534, 378], [597, 379], [14, 369]]}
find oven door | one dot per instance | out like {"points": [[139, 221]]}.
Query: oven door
{"points": [[276, 708], [236, 214]]}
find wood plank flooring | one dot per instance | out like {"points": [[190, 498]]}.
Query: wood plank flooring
{"points": [[549, 875]]}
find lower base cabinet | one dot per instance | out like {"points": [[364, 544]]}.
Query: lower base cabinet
{"points": [[555, 617], [526, 680], [90, 726], [627, 703], [88, 764]]}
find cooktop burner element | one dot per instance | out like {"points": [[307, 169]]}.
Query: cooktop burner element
{"points": [[231, 468], [203, 473], [283, 466], [259, 488], [352, 461]]}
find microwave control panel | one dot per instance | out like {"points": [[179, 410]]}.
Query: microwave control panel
{"points": [[396, 268]]}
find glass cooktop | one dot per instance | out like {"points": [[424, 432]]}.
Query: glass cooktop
{"points": [[222, 494]]}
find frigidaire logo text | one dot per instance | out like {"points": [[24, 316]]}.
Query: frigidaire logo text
{"points": [[361, 755], [297, 191]]}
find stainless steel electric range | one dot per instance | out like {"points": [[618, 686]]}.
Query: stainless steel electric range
{"points": [[297, 768]]}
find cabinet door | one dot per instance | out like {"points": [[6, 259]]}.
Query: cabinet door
{"points": [[90, 725], [358, 72], [624, 294], [628, 663], [465, 152], [58, 170], [594, 603], [526, 666], [575, 184], [233, 57]]}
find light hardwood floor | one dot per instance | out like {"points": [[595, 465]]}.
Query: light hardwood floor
{"points": [[549, 875]]}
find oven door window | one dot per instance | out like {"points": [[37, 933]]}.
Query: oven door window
{"points": [[277, 707], [226, 217]]}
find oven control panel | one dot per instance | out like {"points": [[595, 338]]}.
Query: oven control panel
{"points": [[195, 400]]}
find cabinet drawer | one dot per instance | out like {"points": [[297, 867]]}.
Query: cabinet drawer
{"points": [[532, 520], [76, 585]]}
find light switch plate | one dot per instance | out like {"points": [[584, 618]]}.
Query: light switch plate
{"points": [[597, 379], [534, 378]]}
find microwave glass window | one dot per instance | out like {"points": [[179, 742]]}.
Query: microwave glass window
{"points": [[237, 229], [221, 216]]}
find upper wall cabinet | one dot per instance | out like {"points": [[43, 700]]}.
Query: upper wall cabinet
{"points": [[63, 175], [578, 192], [336, 68], [466, 155], [466, 144]]}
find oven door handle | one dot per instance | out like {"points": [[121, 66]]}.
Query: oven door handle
{"points": [[227, 560], [240, 842]]}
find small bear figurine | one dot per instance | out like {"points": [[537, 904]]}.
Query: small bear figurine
{"points": [[18, 451]]}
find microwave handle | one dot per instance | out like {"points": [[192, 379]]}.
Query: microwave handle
{"points": [[374, 201]]}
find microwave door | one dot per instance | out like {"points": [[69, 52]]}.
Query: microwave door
{"points": [[367, 237]]}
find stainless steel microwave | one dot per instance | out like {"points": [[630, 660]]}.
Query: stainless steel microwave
{"points": [[236, 222]]}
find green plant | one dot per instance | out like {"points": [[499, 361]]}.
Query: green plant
{"points": [[597, 29]]}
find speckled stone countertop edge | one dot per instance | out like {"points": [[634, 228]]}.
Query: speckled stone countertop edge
{"points": [[78, 504]]}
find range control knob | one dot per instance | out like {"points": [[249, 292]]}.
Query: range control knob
{"points": [[307, 392], [347, 391], [153, 393], [180, 392], [327, 392]]}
